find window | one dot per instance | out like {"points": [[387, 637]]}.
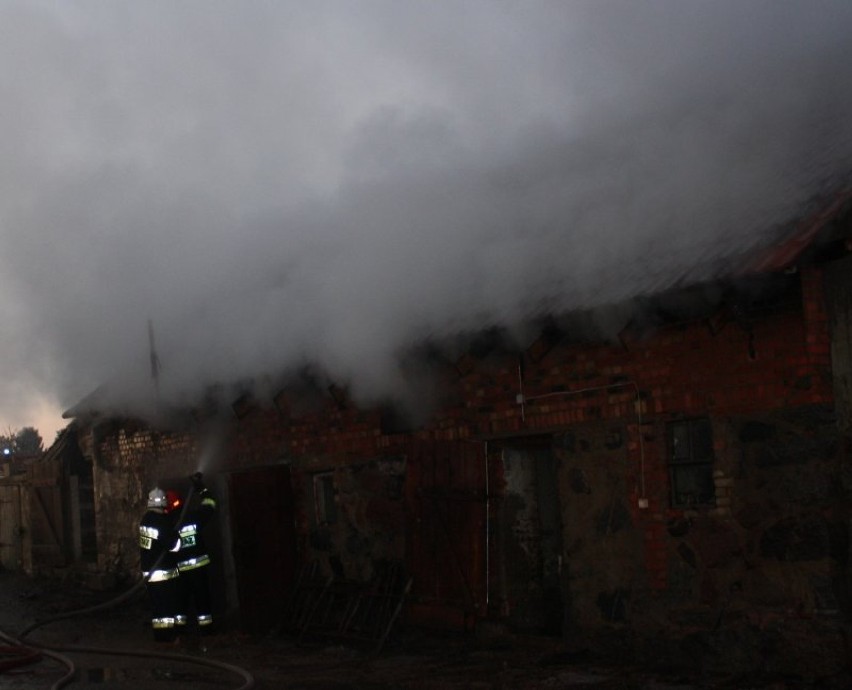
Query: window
{"points": [[324, 505], [691, 462]]}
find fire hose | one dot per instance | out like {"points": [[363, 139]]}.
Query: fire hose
{"points": [[13, 656], [22, 653]]}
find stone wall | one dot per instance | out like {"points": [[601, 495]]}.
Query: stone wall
{"points": [[368, 529], [759, 579]]}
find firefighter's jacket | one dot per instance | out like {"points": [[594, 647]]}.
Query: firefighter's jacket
{"points": [[158, 547], [193, 551]]}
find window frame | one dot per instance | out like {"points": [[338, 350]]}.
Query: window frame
{"points": [[325, 504], [698, 458]]}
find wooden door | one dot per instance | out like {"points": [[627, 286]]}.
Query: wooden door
{"points": [[46, 526], [446, 545], [10, 527], [839, 296], [264, 544]]}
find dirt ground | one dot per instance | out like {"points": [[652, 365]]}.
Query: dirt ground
{"points": [[411, 659]]}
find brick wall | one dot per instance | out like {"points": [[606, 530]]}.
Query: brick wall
{"points": [[128, 460], [631, 560]]}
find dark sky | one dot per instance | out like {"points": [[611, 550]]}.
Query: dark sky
{"points": [[279, 182]]}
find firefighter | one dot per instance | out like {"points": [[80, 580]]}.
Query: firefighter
{"points": [[193, 561], [158, 548]]}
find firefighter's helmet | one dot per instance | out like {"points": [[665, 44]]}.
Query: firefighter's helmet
{"points": [[157, 498], [173, 500]]}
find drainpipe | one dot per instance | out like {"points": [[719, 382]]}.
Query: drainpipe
{"points": [[487, 534], [520, 397]]}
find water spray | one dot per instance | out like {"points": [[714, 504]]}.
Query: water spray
{"points": [[210, 454]]}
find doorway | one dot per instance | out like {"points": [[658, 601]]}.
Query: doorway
{"points": [[528, 537], [263, 538]]}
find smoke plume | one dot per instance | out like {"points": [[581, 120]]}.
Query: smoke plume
{"points": [[276, 185]]}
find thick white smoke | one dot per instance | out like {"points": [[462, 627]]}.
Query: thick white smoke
{"points": [[329, 182]]}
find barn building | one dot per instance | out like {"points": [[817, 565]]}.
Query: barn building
{"points": [[665, 479]]}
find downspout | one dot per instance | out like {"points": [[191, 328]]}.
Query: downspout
{"points": [[520, 397], [487, 534]]}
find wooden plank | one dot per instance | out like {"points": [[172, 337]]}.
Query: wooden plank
{"points": [[10, 527], [46, 545], [76, 532], [44, 511], [839, 299]]}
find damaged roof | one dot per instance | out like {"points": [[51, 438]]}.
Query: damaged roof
{"points": [[824, 229]]}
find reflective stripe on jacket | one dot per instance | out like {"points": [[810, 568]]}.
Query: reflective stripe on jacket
{"points": [[158, 541], [192, 563], [193, 551], [160, 575]]}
